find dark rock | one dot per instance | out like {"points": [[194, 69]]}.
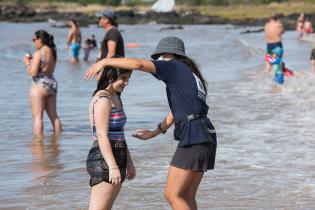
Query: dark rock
{"points": [[253, 31], [179, 27], [24, 14]]}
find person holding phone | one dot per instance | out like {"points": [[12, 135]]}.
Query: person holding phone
{"points": [[44, 88]]}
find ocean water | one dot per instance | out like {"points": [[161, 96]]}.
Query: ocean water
{"points": [[265, 154]]}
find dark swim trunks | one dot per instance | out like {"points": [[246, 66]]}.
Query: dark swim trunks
{"points": [[271, 46], [313, 54]]}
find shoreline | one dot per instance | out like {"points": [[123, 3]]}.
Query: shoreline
{"points": [[84, 14]]}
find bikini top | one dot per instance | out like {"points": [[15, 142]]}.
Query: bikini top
{"points": [[116, 122]]}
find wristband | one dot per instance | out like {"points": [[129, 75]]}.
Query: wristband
{"points": [[113, 168], [160, 128]]}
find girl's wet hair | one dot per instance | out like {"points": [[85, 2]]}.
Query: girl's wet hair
{"points": [[48, 40], [194, 68], [109, 75]]}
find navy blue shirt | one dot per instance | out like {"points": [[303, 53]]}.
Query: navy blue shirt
{"points": [[186, 96]]}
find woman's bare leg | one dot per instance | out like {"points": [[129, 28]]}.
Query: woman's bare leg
{"points": [[181, 188], [37, 97], [190, 194], [51, 109], [103, 196]]}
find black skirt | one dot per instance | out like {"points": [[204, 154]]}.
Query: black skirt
{"points": [[197, 157], [97, 167]]}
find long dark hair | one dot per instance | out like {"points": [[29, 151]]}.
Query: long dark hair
{"points": [[108, 75], [113, 21], [194, 68], [48, 40], [74, 22]]}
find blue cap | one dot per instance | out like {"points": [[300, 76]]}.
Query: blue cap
{"points": [[106, 13]]}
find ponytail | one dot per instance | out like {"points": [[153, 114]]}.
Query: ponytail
{"points": [[194, 68], [48, 40]]}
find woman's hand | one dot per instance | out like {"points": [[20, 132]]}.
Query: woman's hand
{"points": [[144, 134], [131, 170], [114, 176], [94, 69], [27, 60]]}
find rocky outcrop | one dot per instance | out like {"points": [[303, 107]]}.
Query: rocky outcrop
{"points": [[24, 14]]}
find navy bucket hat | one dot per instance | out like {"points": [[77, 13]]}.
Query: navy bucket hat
{"points": [[170, 44]]}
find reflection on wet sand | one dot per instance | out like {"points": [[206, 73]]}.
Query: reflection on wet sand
{"points": [[45, 151]]}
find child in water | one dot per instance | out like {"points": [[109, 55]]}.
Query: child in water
{"points": [[275, 58], [87, 47]]}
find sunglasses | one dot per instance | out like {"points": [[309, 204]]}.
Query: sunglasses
{"points": [[100, 18]]}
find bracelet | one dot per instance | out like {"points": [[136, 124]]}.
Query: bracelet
{"points": [[113, 168], [160, 128]]}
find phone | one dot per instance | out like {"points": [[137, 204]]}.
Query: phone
{"points": [[28, 54]]}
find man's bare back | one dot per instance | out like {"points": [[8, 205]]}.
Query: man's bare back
{"points": [[74, 35], [274, 30]]}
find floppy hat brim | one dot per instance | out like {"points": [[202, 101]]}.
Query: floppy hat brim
{"points": [[156, 54]]}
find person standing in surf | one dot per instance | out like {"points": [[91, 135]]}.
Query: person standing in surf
{"points": [[186, 91], [273, 31], [74, 40]]}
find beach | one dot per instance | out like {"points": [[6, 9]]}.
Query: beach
{"points": [[265, 154]]}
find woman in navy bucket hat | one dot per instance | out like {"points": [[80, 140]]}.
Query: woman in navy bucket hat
{"points": [[186, 91]]}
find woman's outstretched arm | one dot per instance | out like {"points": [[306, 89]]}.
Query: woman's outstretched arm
{"points": [[161, 128], [124, 63]]}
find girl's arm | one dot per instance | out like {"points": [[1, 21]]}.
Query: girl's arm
{"points": [[124, 63], [102, 110], [32, 64], [161, 128]]}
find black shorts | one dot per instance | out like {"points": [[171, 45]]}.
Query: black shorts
{"points": [[97, 167], [197, 157], [271, 46]]}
